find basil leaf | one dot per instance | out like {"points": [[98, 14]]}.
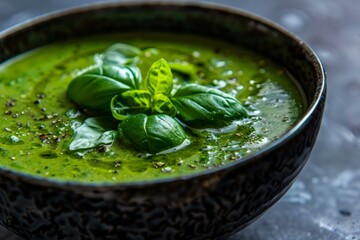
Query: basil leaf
{"points": [[159, 79], [93, 132], [95, 88], [184, 68], [130, 103], [162, 104], [153, 134], [120, 54], [204, 105]]}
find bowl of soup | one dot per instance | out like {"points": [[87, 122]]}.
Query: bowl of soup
{"points": [[151, 121]]}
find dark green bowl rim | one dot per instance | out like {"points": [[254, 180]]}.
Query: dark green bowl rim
{"points": [[251, 158]]}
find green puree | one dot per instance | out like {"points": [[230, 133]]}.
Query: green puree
{"points": [[38, 117]]}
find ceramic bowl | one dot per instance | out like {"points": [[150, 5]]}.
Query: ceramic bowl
{"points": [[209, 205]]}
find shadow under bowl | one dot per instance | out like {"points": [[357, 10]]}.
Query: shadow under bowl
{"points": [[208, 205]]}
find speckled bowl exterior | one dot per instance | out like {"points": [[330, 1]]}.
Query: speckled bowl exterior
{"points": [[208, 205]]}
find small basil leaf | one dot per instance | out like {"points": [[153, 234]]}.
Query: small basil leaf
{"points": [[162, 104], [95, 88], [130, 103], [205, 105], [93, 132], [153, 134], [159, 79], [121, 54], [184, 68]]}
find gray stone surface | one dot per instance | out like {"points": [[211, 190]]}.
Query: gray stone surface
{"points": [[324, 202]]}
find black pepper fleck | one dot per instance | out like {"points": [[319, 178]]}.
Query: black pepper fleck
{"points": [[43, 137], [102, 148], [10, 103], [345, 212], [7, 112], [37, 101], [117, 164]]}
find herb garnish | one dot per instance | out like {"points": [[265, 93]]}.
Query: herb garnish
{"points": [[95, 88], [146, 117]]}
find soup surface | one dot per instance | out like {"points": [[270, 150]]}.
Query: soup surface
{"points": [[38, 118]]}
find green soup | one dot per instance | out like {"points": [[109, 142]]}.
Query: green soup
{"points": [[38, 118]]}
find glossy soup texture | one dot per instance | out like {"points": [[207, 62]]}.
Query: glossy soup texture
{"points": [[38, 118]]}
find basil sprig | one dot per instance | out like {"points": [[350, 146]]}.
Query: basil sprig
{"points": [[154, 99], [145, 115]]}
